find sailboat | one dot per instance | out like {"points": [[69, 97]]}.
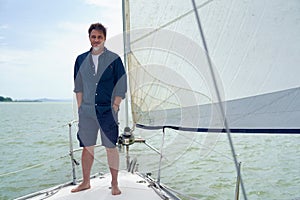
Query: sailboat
{"points": [[202, 66]]}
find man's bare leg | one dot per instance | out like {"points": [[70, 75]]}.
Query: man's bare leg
{"points": [[87, 159], [113, 163]]}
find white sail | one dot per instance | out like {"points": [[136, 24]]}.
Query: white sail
{"points": [[254, 47]]}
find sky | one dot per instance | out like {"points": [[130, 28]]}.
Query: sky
{"points": [[40, 40]]}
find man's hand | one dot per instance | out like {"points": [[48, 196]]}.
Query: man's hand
{"points": [[117, 102], [116, 107]]}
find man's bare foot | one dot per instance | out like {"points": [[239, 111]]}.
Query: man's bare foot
{"points": [[81, 187], [115, 190]]}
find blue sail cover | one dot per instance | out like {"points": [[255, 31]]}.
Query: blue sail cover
{"points": [[254, 47]]}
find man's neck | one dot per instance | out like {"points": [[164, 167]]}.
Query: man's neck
{"points": [[98, 51]]}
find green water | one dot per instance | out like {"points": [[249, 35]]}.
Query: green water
{"points": [[34, 146]]}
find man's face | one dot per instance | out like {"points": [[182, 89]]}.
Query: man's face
{"points": [[97, 38]]}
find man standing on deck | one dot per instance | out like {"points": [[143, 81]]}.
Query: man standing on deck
{"points": [[100, 86]]}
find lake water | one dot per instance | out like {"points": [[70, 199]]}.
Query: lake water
{"points": [[34, 146]]}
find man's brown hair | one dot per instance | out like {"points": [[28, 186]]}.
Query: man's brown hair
{"points": [[99, 27]]}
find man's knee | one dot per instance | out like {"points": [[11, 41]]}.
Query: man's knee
{"points": [[89, 150]]}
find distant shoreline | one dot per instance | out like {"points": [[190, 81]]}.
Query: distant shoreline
{"points": [[44, 100], [9, 99], [26, 101]]}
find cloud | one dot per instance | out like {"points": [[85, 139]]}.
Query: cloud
{"points": [[12, 58], [71, 26], [2, 38], [41, 63], [45, 71], [110, 14], [4, 26], [104, 3]]}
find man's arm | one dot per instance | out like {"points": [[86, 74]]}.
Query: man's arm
{"points": [[79, 98], [78, 80], [120, 83], [117, 102]]}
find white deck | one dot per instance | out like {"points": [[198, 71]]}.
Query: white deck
{"points": [[132, 186]]}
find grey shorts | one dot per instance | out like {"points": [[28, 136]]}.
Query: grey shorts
{"points": [[89, 126]]}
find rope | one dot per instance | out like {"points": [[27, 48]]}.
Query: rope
{"points": [[186, 150], [40, 164], [21, 135], [206, 147], [33, 166]]}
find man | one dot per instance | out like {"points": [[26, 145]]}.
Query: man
{"points": [[100, 86]]}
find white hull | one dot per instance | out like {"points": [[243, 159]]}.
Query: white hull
{"points": [[132, 185]]}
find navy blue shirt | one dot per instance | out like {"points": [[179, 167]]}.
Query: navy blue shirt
{"points": [[99, 89]]}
